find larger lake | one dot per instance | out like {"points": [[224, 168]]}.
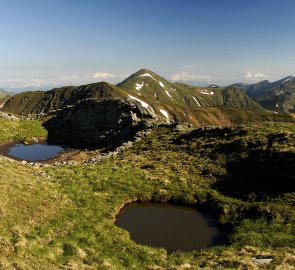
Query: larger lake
{"points": [[173, 227]]}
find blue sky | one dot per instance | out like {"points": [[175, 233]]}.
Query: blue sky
{"points": [[80, 41]]}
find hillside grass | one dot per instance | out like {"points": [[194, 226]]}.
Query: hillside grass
{"points": [[63, 217], [20, 129]]}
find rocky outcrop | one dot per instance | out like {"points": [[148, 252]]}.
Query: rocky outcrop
{"points": [[103, 123]]}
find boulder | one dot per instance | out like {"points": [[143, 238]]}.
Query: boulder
{"points": [[103, 123]]}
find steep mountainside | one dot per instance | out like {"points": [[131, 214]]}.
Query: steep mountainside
{"points": [[235, 98], [148, 84], [278, 96]]}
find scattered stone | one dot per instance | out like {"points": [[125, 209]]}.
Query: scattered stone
{"points": [[72, 163], [121, 148], [186, 266], [128, 144], [34, 140], [37, 165], [24, 162], [262, 261], [8, 116], [183, 127]]}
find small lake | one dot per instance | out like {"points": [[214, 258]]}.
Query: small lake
{"points": [[173, 227], [33, 152]]}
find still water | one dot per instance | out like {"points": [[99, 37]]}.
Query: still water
{"points": [[173, 227], [34, 152]]}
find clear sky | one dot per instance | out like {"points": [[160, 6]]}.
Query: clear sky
{"points": [[79, 41]]}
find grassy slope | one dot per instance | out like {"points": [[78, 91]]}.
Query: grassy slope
{"points": [[67, 220], [28, 200], [20, 129]]}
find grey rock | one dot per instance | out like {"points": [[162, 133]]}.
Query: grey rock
{"points": [[92, 122], [262, 261], [35, 140], [183, 127]]}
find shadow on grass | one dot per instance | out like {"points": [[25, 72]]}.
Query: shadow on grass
{"points": [[259, 176]]}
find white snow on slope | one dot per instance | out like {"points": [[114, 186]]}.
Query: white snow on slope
{"points": [[161, 84], [205, 92], [164, 113], [139, 86], [197, 102], [147, 75], [288, 79], [143, 104], [168, 94]]}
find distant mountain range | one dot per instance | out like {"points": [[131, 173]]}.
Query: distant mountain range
{"points": [[170, 101], [33, 87], [4, 96], [277, 96]]}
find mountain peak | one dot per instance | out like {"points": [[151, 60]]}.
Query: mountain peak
{"points": [[145, 70], [144, 78]]}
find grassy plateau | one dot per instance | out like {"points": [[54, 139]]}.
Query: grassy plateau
{"points": [[63, 217]]}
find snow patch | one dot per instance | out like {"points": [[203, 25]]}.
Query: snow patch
{"points": [[205, 92], [139, 86], [277, 105], [143, 104], [147, 75], [161, 84], [288, 79], [197, 102], [164, 113], [168, 94]]}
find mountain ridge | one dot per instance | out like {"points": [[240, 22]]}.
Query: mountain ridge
{"points": [[171, 101], [277, 96]]}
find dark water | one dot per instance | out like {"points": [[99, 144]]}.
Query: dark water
{"points": [[34, 152], [170, 226]]}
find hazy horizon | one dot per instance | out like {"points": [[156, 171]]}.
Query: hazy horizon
{"points": [[74, 42]]}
